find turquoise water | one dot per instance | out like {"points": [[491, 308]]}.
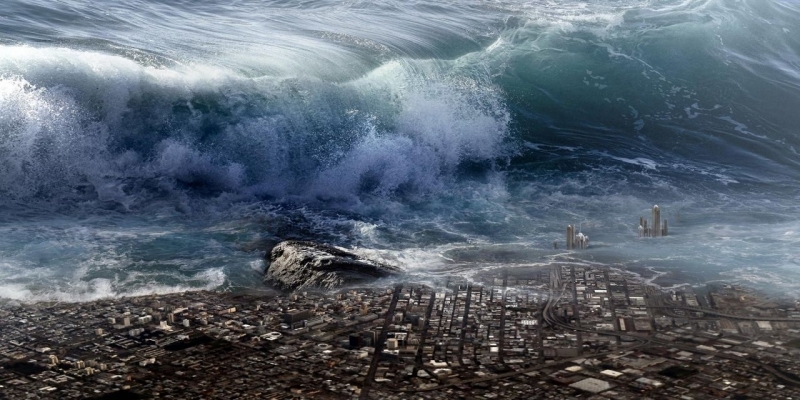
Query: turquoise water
{"points": [[155, 146]]}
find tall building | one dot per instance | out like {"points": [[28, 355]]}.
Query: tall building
{"points": [[656, 221], [356, 341], [576, 240], [570, 237], [294, 316], [369, 338], [654, 228]]}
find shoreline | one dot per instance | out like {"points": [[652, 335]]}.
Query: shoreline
{"points": [[664, 281], [482, 337]]}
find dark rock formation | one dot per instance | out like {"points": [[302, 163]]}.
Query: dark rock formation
{"points": [[297, 264]]}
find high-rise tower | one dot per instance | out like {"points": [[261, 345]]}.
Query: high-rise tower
{"points": [[570, 237], [655, 227], [656, 221]]}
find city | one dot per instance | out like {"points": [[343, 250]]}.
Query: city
{"points": [[561, 332]]}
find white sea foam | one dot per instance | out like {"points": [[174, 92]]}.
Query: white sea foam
{"points": [[134, 162], [80, 120], [100, 288]]}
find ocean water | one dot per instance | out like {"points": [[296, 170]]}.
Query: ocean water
{"points": [[152, 146]]}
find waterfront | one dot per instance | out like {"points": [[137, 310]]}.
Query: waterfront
{"points": [[553, 332]]}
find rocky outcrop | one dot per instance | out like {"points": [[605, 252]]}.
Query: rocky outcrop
{"points": [[298, 264]]}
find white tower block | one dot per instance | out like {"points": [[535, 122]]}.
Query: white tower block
{"points": [[656, 221]]}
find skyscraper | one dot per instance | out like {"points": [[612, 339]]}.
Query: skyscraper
{"points": [[570, 237], [655, 227], [656, 221]]}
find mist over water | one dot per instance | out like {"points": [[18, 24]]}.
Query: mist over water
{"points": [[156, 146]]}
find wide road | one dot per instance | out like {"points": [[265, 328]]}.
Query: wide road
{"points": [[463, 333], [373, 366]]}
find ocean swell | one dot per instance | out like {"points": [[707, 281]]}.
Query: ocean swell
{"points": [[162, 144], [100, 126]]}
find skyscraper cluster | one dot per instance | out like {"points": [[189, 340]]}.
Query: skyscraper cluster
{"points": [[655, 227], [576, 240]]}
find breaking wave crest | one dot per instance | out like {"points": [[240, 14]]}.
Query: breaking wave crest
{"points": [[153, 145], [87, 125]]}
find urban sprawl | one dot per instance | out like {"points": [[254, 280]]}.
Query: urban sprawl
{"points": [[559, 332]]}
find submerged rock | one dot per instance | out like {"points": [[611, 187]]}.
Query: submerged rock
{"points": [[298, 264]]}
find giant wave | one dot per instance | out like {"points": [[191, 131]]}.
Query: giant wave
{"points": [[157, 144], [108, 128]]}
